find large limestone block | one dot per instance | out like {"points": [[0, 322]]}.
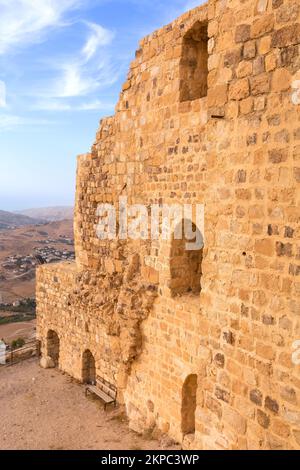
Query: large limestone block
{"points": [[47, 363]]}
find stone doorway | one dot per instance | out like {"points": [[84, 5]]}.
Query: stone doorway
{"points": [[88, 368], [189, 404], [53, 345]]}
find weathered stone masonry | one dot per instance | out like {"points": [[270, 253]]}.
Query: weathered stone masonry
{"points": [[206, 116]]}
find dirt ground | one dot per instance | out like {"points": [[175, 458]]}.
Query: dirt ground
{"points": [[45, 409], [12, 331]]}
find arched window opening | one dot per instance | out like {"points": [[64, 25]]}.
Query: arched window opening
{"points": [[186, 263], [194, 63], [189, 405], [53, 345], [88, 368]]}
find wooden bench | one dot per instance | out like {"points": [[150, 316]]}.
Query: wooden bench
{"points": [[103, 390]]}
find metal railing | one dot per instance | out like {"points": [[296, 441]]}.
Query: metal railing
{"points": [[15, 356]]}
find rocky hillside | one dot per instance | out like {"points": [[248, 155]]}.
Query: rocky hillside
{"points": [[50, 214], [9, 219]]}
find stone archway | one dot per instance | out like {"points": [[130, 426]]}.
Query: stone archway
{"points": [[53, 346], [88, 368], [189, 404]]}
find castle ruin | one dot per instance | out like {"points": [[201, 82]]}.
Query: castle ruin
{"points": [[199, 347]]}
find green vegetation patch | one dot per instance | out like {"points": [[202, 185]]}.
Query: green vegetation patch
{"points": [[17, 318]]}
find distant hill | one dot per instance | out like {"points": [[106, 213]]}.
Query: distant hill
{"points": [[9, 219], [49, 214]]}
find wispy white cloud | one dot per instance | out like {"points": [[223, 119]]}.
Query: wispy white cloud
{"points": [[64, 80], [11, 122], [83, 79], [58, 105], [86, 71], [2, 94], [25, 21], [73, 83], [96, 105], [99, 36]]}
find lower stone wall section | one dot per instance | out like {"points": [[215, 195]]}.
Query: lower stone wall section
{"points": [[239, 404], [193, 379], [77, 328]]}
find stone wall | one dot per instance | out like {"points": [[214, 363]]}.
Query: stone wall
{"points": [[211, 367]]}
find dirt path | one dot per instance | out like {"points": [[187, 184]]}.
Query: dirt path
{"points": [[44, 409]]}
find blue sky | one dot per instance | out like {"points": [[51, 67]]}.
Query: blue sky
{"points": [[62, 63]]}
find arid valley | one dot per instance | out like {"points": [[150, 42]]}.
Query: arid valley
{"points": [[22, 248]]}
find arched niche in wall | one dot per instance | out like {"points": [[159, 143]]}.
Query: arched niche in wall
{"points": [[194, 63], [186, 256]]}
